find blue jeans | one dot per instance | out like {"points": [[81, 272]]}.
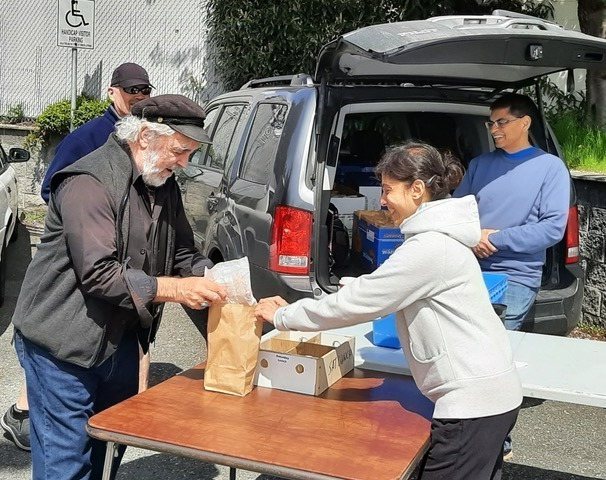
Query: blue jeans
{"points": [[518, 298], [62, 396]]}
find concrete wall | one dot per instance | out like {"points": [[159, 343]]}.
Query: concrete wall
{"points": [[565, 13]]}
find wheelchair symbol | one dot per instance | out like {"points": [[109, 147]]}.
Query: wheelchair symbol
{"points": [[73, 17]]}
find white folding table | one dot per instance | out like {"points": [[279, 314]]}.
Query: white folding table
{"points": [[552, 368]]}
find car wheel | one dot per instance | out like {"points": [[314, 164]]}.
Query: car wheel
{"points": [[15, 233], [2, 274]]}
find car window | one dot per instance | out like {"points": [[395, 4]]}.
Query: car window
{"points": [[209, 124], [217, 155], [263, 141], [3, 158]]}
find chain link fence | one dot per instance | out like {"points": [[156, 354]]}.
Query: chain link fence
{"points": [[167, 37]]}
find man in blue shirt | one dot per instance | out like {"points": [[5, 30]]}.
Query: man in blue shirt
{"points": [[523, 196], [129, 85]]}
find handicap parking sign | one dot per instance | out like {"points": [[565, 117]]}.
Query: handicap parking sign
{"points": [[75, 23]]}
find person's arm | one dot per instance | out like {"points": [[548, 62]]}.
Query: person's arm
{"points": [[554, 202], [414, 271], [464, 188], [89, 230]]}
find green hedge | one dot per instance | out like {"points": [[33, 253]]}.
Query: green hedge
{"points": [[55, 119], [261, 38]]}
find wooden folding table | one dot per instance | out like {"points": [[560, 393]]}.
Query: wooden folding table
{"points": [[367, 426]]}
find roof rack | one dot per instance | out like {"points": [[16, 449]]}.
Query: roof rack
{"points": [[499, 19], [300, 80]]}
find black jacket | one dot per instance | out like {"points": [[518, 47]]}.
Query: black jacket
{"points": [[56, 311]]}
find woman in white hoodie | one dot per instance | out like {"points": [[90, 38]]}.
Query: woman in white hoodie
{"points": [[457, 348]]}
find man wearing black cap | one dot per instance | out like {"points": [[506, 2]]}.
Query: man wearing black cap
{"points": [[116, 246], [129, 85]]}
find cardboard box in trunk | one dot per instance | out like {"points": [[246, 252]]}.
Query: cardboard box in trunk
{"points": [[304, 362]]}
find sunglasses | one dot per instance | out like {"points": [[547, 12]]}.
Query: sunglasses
{"points": [[134, 90]]}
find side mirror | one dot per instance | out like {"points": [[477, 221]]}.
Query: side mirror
{"points": [[17, 155], [192, 171]]}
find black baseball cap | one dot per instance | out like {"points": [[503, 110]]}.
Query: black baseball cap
{"points": [[177, 111], [129, 75]]}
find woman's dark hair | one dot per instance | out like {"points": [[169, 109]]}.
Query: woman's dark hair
{"points": [[440, 171]]}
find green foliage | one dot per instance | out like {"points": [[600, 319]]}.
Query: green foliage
{"points": [[583, 145], [55, 119], [557, 102], [14, 115], [262, 38]]}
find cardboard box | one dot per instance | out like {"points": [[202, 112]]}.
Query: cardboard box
{"points": [[377, 237], [304, 362], [348, 204], [373, 197]]}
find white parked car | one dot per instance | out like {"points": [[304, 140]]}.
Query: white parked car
{"points": [[8, 205]]}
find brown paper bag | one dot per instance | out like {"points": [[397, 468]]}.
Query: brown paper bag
{"points": [[234, 336]]}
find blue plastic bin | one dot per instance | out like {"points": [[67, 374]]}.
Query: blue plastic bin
{"points": [[384, 332], [496, 283]]}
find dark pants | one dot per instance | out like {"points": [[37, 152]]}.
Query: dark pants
{"points": [[468, 449], [62, 397]]}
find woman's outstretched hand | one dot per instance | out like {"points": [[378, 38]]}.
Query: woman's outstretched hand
{"points": [[266, 308]]}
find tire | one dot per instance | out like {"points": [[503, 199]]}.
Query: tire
{"points": [[15, 233], [2, 274]]}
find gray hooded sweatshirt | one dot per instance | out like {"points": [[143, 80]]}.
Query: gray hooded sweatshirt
{"points": [[456, 346]]}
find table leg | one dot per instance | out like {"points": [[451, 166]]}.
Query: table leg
{"points": [[110, 452], [232, 473]]}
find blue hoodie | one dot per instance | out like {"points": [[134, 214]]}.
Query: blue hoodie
{"points": [[82, 141], [525, 196]]}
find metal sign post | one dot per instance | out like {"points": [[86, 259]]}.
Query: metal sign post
{"points": [[75, 29]]}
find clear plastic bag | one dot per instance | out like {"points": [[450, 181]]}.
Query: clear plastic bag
{"points": [[234, 276]]}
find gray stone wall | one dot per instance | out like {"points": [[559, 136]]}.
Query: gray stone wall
{"points": [[591, 196]]}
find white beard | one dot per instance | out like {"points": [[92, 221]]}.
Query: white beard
{"points": [[152, 175]]}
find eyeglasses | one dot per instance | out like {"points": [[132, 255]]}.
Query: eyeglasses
{"points": [[134, 90], [500, 122]]}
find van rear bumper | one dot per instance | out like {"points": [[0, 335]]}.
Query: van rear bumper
{"points": [[557, 312], [267, 283]]}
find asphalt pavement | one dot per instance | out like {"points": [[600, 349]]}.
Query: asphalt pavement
{"points": [[552, 440]]}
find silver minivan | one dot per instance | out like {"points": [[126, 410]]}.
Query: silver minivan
{"points": [[288, 150]]}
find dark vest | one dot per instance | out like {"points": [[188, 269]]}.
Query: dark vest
{"points": [[52, 311]]}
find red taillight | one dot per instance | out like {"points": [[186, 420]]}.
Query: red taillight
{"points": [[290, 240], [571, 236]]}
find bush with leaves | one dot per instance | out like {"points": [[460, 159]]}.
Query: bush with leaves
{"points": [[261, 38], [14, 115], [55, 119]]}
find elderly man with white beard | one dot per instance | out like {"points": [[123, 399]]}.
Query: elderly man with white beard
{"points": [[116, 246]]}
